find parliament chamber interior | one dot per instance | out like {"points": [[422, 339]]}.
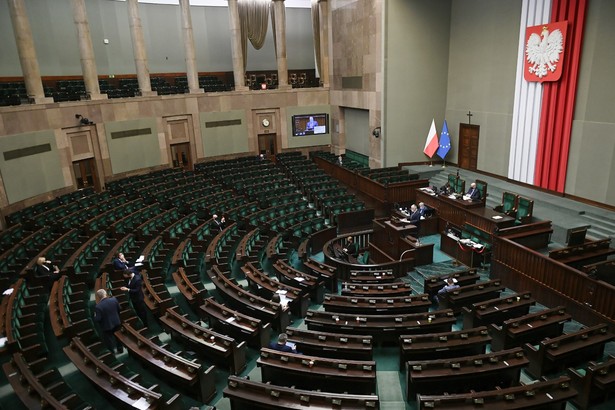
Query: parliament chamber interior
{"points": [[212, 204]]}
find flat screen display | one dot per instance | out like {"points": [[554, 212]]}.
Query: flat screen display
{"points": [[310, 124]]}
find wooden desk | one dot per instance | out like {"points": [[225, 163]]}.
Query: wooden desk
{"points": [[545, 395], [464, 254], [250, 395], [463, 374], [433, 346], [497, 310], [317, 373], [334, 345]]}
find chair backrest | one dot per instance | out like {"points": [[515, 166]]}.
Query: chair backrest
{"points": [[363, 259], [510, 201], [482, 188], [525, 208]]}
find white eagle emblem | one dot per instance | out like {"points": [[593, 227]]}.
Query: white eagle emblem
{"points": [[544, 52]]}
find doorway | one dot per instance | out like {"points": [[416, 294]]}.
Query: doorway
{"points": [[267, 145], [181, 156], [468, 146], [85, 174]]}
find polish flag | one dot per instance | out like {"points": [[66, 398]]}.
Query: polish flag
{"points": [[431, 145]]}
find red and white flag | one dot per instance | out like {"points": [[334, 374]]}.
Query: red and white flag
{"points": [[431, 145]]}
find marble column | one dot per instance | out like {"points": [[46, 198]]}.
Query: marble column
{"points": [[238, 70], [279, 12], [27, 52], [138, 46], [191, 70], [323, 11], [88, 61]]}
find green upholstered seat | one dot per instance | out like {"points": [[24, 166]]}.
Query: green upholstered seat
{"points": [[509, 204]]}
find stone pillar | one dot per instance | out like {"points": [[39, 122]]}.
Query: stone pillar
{"points": [[238, 70], [27, 52], [88, 61], [279, 12], [323, 11], [191, 70], [138, 46]]}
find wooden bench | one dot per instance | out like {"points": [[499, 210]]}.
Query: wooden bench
{"points": [[377, 290], [67, 306], [432, 284], [250, 395], [497, 310], [529, 328], [264, 286], [317, 373], [293, 277], [190, 286], [430, 346], [589, 252], [334, 345], [376, 305], [187, 374], [545, 395], [326, 272], [463, 374], [248, 303], [218, 347], [555, 354], [593, 383], [155, 293], [456, 299], [103, 371], [35, 384], [371, 276], [381, 327], [232, 323]]}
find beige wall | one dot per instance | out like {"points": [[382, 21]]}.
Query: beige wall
{"points": [[356, 51]]}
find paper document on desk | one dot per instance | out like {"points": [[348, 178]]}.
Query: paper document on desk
{"points": [[496, 217], [230, 319], [141, 258]]}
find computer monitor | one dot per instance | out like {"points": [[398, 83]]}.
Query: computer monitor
{"points": [[576, 236]]}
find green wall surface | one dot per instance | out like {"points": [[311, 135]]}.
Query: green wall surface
{"points": [[133, 152], [482, 68], [357, 130], [30, 175], [221, 139], [591, 166], [415, 71], [307, 140]]}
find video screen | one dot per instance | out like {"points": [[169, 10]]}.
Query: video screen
{"points": [[310, 124]]}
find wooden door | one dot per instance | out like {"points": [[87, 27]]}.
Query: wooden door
{"points": [[267, 145], [468, 146], [85, 174], [181, 156]]}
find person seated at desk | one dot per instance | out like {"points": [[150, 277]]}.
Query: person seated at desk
{"points": [[473, 193], [282, 344], [446, 189], [451, 283], [423, 210], [415, 215], [351, 248], [121, 263]]}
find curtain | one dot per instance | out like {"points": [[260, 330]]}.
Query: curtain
{"points": [[254, 20], [316, 30]]}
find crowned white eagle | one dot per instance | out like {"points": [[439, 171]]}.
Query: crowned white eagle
{"points": [[544, 52]]}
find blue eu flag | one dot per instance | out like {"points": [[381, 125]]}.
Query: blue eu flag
{"points": [[445, 142]]}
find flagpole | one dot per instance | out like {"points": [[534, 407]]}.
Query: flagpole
{"points": [[444, 163], [430, 163]]}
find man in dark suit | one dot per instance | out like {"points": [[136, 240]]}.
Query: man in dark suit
{"points": [[351, 248], [281, 345], [415, 215], [44, 269], [217, 224], [423, 210], [121, 263], [135, 291], [473, 193], [107, 315]]}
